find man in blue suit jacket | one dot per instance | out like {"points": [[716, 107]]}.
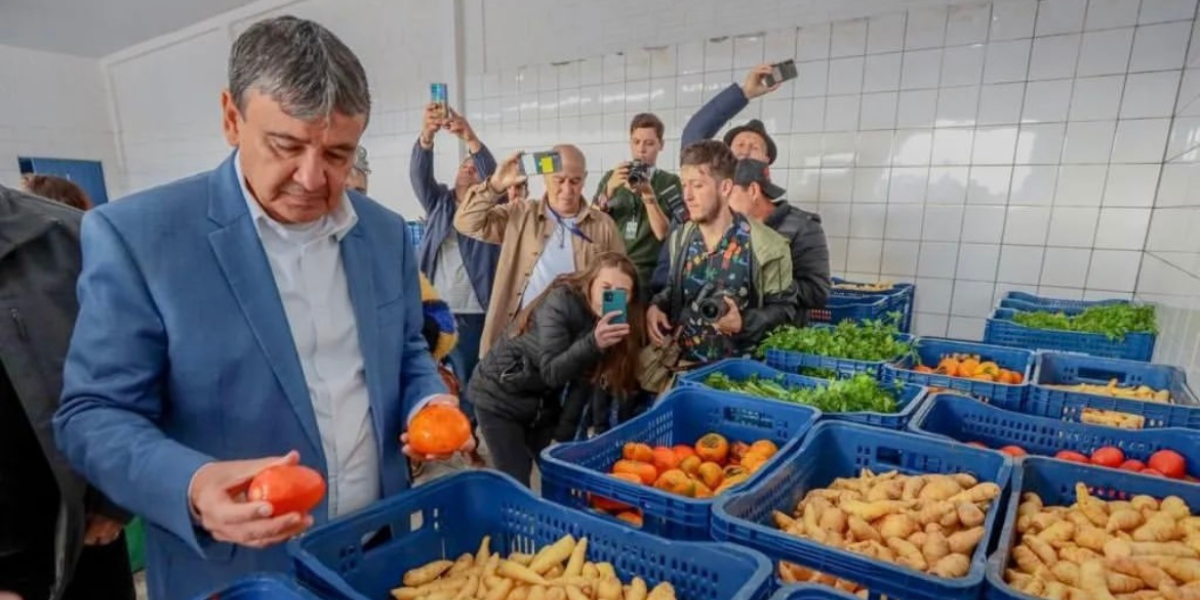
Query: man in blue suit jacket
{"points": [[257, 314]]}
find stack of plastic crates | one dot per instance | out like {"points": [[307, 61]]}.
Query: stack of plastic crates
{"points": [[900, 298]]}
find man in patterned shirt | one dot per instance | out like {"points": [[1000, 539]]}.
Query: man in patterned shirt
{"points": [[728, 279]]}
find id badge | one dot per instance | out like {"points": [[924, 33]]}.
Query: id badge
{"points": [[631, 229]]}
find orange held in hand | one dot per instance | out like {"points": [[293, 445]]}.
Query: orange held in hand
{"points": [[438, 429], [288, 489]]}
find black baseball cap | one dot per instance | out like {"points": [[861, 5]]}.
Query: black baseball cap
{"points": [[755, 126], [750, 171]]}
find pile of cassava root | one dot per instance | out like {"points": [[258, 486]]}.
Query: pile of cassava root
{"points": [[1140, 549], [930, 523], [559, 571]]}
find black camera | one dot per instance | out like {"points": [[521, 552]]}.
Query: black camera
{"points": [[710, 304], [639, 172]]}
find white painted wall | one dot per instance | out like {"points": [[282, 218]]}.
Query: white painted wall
{"points": [[166, 92], [52, 105], [975, 149]]}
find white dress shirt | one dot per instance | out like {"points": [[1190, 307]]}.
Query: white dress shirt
{"points": [[306, 261]]}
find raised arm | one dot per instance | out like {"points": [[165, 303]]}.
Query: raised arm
{"points": [[724, 106], [480, 216], [425, 185]]}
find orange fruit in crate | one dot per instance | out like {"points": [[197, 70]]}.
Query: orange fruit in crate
{"points": [[683, 451], [713, 447], [711, 474], [691, 465], [766, 448], [645, 472], [632, 517], [665, 459], [638, 452], [676, 482]]}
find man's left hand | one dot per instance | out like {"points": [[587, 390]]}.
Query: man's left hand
{"points": [[459, 126], [101, 530], [445, 400], [731, 322]]}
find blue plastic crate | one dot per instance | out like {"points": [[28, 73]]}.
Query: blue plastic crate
{"points": [[1069, 369], [833, 450], [931, 350], [572, 472], [810, 591], [966, 420], [842, 308], [1054, 481], [900, 299], [261, 587], [791, 361], [448, 517], [1045, 303], [1003, 331], [909, 398]]}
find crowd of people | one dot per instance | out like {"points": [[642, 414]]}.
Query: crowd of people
{"points": [[160, 351]]}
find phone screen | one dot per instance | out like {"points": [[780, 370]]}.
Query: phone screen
{"points": [[615, 300], [438, 94], [541, 163]]}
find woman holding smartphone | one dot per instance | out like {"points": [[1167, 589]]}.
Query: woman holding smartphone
{"points": [[578, 335]]}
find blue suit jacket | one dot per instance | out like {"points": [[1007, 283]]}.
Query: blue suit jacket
{"points": [[182, 355]]}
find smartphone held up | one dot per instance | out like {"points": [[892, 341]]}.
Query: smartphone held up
{"points": [[540, 163], [781, 72], [440, 95]]}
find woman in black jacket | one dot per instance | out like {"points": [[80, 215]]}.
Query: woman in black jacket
{"points": [[561, 338]]}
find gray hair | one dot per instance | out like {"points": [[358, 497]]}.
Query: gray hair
{"points": [[301, 65]]}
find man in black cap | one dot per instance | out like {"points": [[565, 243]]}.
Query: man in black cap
{"points": [[756, 197], [746, 141]]}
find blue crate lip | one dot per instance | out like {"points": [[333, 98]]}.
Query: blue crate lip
{"points": [[260, 586], [631, 493], [1046, 302], [1054, 481], [911, 584], [810, 591], [523, 522], [753, 367], [1045, 436]]}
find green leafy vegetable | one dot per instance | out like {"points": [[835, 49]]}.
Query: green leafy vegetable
{"points": [[1113, 320], [860, 393], [856, 340]]}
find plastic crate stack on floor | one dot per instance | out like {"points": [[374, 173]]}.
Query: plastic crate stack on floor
{"points": [[572, 473], [899, 297], [841, 450], [1001, 329], [908, 397], [965, 420], [1054, 482], [450, 516], [1048, 398], [930, 351]]}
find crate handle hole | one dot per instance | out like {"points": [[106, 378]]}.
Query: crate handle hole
{"points": [[1102, 375]]}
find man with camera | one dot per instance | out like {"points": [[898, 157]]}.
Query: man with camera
{"points": [[728, 278], [756, 197], [643, 200], [746, 141]]}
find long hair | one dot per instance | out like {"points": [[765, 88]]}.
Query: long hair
{"points": [[618, 369], [63, 191]]}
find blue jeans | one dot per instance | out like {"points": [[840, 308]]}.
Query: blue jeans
{"points": [[465, 356]]}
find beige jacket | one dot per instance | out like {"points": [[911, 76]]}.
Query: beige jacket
{"points": [[521, 229]]}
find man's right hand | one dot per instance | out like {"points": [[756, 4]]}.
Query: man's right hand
{"points": [[507, 174], [658, 324], [618, 179], [432, 123], [754, 86], [218, 496]]}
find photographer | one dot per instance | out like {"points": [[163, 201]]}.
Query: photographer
{"points": [[563, 338], [756, 197], [727, 279], [642, 199], [746, 141]]}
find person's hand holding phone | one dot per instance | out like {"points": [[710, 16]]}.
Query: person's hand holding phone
{"points": [[755, 84], [431, 123], [458, 125], [659, 325], [609, 334], [507, 174]]}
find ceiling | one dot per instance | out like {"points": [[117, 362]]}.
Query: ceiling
{"points": [[96, 28]]}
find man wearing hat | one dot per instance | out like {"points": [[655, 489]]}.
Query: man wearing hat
{"points": [[746, 141], [754, 196]]}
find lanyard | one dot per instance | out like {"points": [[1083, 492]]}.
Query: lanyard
{"points": [[572, 227]]}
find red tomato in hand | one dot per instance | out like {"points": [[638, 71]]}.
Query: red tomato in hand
{"points": [[1070, 456], [438, 429], [1108, 457], [1136, 466], [1169, 463], [1014, 451], [288, 489]]}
